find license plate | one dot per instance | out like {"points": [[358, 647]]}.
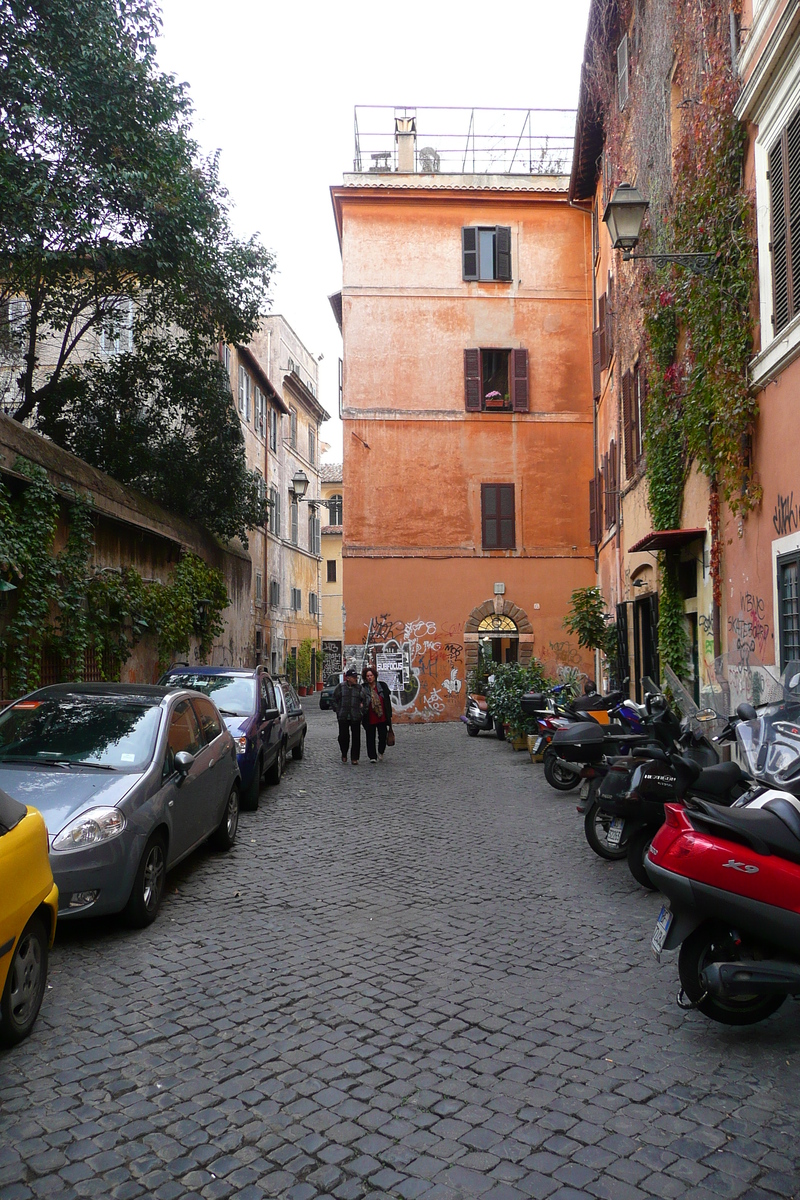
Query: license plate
{"points": [[660, 932], [537, 745], [614, 836], [584, 792]]}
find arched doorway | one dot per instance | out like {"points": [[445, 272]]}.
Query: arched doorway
{"points": [[503, 622], [498, 639]]}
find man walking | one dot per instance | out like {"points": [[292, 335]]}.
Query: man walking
{"points": [[349, 704]]}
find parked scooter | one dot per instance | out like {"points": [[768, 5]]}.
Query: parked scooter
{"points": [[478, 719], [732, 876], [578, 724]]}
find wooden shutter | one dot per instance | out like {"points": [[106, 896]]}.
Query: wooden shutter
{"points": [[596, 363], [640, 405], [502, 252], [793, 205], [472, 380], [602, 326], [469, 252], [519, 360], [497, 516], [613, 484], [505, 499], [779, 246], [489, 515], [622, 72], [594, 530], [606, 517], [609, 325], [628, 422]]}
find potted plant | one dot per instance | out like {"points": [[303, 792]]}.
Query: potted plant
{"points": [[304, 666], [509, 684], [494, 400]]}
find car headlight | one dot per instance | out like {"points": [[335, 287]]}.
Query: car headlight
{"points": [[90, 828], [241, 745]]}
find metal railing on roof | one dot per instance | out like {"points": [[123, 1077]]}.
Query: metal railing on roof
{"points": [[465, 141]]}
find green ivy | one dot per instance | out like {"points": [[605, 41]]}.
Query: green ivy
{"points": [[62, 604]]}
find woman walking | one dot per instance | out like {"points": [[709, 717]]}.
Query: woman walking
{"points": [[378, 715]]}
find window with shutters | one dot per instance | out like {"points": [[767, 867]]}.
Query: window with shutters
{"points": [[784, 184], [594, 522], [622, 72], [293, 427], [313, 604], [313, 533], [275, 511], [331, 570], [335, 510], [496, 380], [262, 487], [789, 607], [639, 399], [497, 516], [611, 485], [116, 331], [486, 252], [294, 515], [297, 600], [259, 587], [273, 429], [312, 445], [274, 593], [260, 412]]}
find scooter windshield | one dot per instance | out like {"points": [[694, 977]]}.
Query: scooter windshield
{"points": [[771, 746]]}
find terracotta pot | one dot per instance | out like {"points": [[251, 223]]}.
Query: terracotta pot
{"points": [[302, 691], [320, 686]]}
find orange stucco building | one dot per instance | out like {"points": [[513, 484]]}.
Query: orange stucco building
{"points": [[467, 409]]}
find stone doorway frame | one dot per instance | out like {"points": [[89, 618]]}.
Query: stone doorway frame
{"points": [[499, 606]]}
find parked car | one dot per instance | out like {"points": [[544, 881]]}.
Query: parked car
{"points": [[28, 911], [294, 719], [129, 780], [326, 695], [247, 700]]}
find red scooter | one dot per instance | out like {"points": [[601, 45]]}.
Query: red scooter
{"points": [[732, 878]]}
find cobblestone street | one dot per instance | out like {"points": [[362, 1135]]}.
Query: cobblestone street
{"points": [[407, 980]]}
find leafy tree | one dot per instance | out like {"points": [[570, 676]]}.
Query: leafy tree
{"points": [[161, 420], [588, 619], [109, 217]]}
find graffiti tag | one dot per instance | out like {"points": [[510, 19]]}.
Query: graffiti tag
{"points": [[566, 653], [786, 514]]}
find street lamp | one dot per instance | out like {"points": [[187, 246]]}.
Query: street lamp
{"points": [[299, 484], [624, 215]]}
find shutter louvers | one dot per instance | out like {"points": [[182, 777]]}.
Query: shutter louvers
{"points": [[793, 204], [605, 507], [609, 324], [628, 423], [505, 497], [613, 485], [469, 252], [502, 246], [472, 380], [641, 412], [602, 329], [780, 290], [622, 71], [520, 382], [596, 364], [594, 533]]}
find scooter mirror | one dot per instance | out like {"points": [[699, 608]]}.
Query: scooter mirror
{"points": [[746, 712]]}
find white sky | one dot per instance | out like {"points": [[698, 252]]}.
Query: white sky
{"points": [[274, 87]]}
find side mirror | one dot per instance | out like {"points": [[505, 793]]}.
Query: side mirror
{"points": [[746, 712], [269, 714], [183, 763]]}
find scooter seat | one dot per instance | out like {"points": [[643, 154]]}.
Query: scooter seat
{"points": [[718, 780], [764, 830]]}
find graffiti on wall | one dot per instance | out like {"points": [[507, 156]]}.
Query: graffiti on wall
{"points": [[786, 514], [748, 632], [566, 653], [421, 663]]}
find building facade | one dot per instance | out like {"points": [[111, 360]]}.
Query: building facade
{"points": [[331, 490], [467, 409], [293, 535]]}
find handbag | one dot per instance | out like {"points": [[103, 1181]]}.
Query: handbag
{"points": [[390, 736]]}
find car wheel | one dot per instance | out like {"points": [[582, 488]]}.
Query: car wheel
{"points": [[250, 796], [224, 835], [27, 977], [275, 773], [148, 886], [300, 748]]}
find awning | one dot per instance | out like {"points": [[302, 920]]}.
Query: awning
{"points": [[666, 539]]}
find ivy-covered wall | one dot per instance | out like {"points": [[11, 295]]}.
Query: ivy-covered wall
{"points": [[103, 583]]}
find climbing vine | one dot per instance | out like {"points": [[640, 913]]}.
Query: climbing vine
{"points": [[679, 137], [60, 604]]}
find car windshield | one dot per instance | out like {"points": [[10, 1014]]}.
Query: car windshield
{"points": [[96, 731], [234, 695]]}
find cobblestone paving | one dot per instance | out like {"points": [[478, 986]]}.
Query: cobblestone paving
{"points": [[407, 980]]}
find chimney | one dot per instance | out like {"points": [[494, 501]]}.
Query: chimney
{"points": [[405, 134]]}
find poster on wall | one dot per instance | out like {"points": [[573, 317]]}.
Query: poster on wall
{"points": [[331, 658], [390, 669]]}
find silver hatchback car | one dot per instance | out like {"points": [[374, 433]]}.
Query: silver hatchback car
{"points": [[129, 779]]}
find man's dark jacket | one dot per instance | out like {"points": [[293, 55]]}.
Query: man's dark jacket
{"points": [[348, 702]]}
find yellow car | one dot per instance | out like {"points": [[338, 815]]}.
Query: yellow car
{"points": [[28, 911]]}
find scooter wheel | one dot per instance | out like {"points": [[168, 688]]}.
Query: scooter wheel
{"points": [[710, 943], [558, 777], [638, 844], [595, 825], [473, 730]]}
